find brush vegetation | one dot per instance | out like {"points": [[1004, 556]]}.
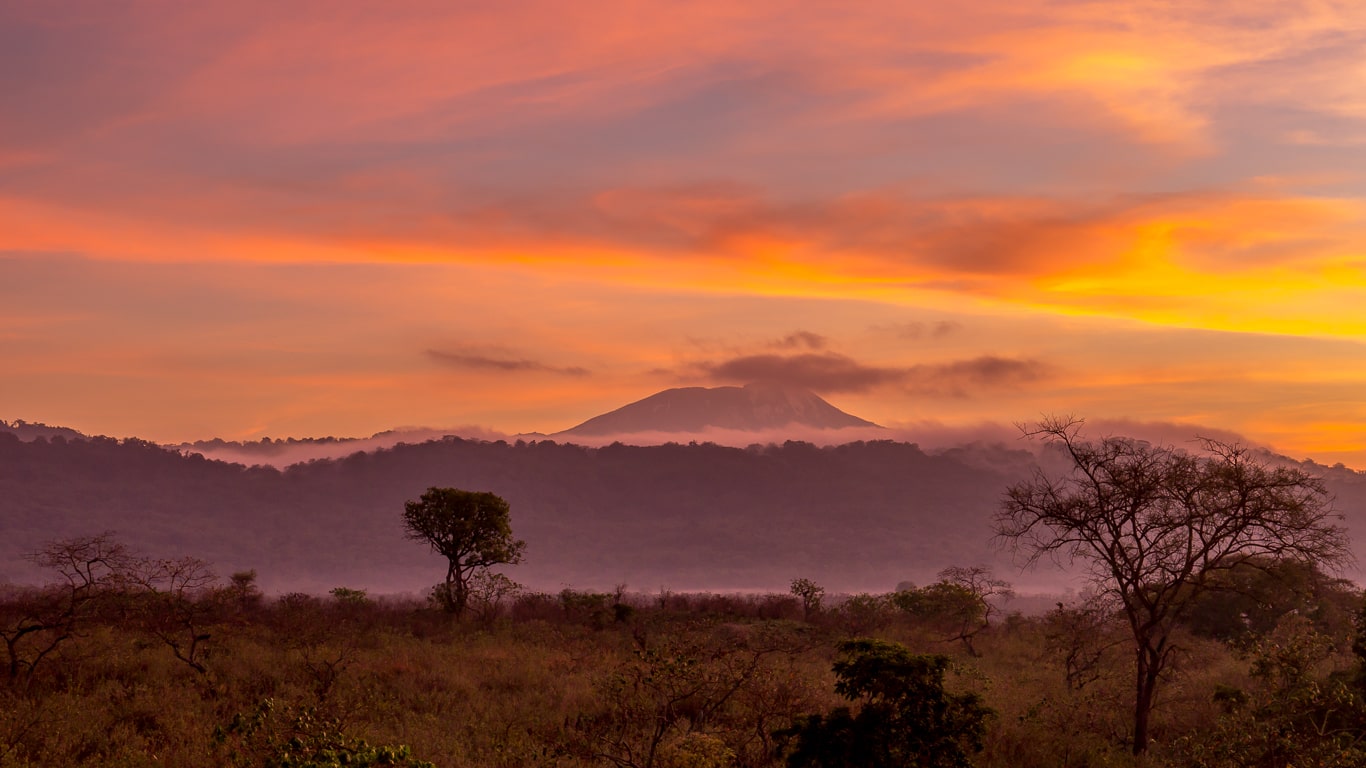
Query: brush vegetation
{"points": [[130, 661]]}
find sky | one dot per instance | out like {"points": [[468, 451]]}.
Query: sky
{"points": [[256, 219]]}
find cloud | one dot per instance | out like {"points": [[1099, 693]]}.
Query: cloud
{"points": [[281, 454], [826, 372], [931, 434], [800, 339], [832, 372], [475, 361], [739, 438], [919, 330], [822, 152], [961, 377]]}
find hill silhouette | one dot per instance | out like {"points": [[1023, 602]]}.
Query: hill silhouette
{"points": [[863, 515], [860, 516]]}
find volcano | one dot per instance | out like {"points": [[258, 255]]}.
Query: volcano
{"points": [[753, 407]]}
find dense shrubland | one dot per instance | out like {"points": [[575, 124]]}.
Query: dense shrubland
{"points": [[127, 661]]}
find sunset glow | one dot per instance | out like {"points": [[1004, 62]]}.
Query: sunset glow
{"points": [[308, 219]]}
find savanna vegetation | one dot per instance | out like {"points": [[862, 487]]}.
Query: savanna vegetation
{"points": [[180, 669], [1229, 645]]}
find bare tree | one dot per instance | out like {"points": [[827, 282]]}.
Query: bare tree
{"points": [[1082, 635], [1156, 525], [170, 597], [986, 589], [34, 623]]}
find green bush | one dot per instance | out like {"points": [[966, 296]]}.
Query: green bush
{"points": [[905, 717]]}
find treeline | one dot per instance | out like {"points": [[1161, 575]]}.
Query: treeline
{"points": [[125, 660], [857, 516]]}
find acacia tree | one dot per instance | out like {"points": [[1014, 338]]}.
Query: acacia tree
{"points": [[170, 596], [472, 530], [1157, 527], [34, 623]]}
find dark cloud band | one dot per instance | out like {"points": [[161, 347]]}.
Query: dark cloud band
{"points": [[510, 365], [832, 372]]}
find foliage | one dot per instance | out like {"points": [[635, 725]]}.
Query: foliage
{"points": [[472, 530], [1292, 716], [1081, 637], [959, 605], [297, 737], [350, 597], [862, 614], [696, 750], [242, 591], [1158, 526], [1247, 601], [490, 594], [682, 697], [905, 718], [811, 594]]}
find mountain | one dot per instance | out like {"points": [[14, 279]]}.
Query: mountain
{"points": [[753, 407]]}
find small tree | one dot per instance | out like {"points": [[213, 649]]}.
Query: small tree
{"points": [[489, 593], [471, 530], [906, 718], [811, 595], [1158, 526], [947, 609], [169, 596], [959, 604], [242, 592], [982, 584]]}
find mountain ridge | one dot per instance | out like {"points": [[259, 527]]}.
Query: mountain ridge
{"points": [[858, 516], [757, 406]]}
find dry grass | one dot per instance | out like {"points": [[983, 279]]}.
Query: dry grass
{"points": [[700, 678]]}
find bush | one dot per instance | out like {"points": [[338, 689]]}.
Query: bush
{"points": [[906, 717]]}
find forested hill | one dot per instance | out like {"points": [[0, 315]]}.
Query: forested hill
{"points": [[852, 517]]}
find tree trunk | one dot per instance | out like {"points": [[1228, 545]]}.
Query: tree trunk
{"points": [[1147, 669], [457, 590]]}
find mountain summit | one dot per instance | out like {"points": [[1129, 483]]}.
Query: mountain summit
{"points": [[753, 407]]}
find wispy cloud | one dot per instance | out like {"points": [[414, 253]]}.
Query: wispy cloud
{"points": [[801, 340], [826, 372], [960, 378], [476, 361], [832, 372], [916, 330]]}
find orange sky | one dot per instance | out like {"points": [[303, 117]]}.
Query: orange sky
{"points": [[248, 219]]}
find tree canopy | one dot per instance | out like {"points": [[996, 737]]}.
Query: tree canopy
{"points": [[472, 530]]}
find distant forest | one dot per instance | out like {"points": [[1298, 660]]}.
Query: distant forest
{"points": [[862, 516]]}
